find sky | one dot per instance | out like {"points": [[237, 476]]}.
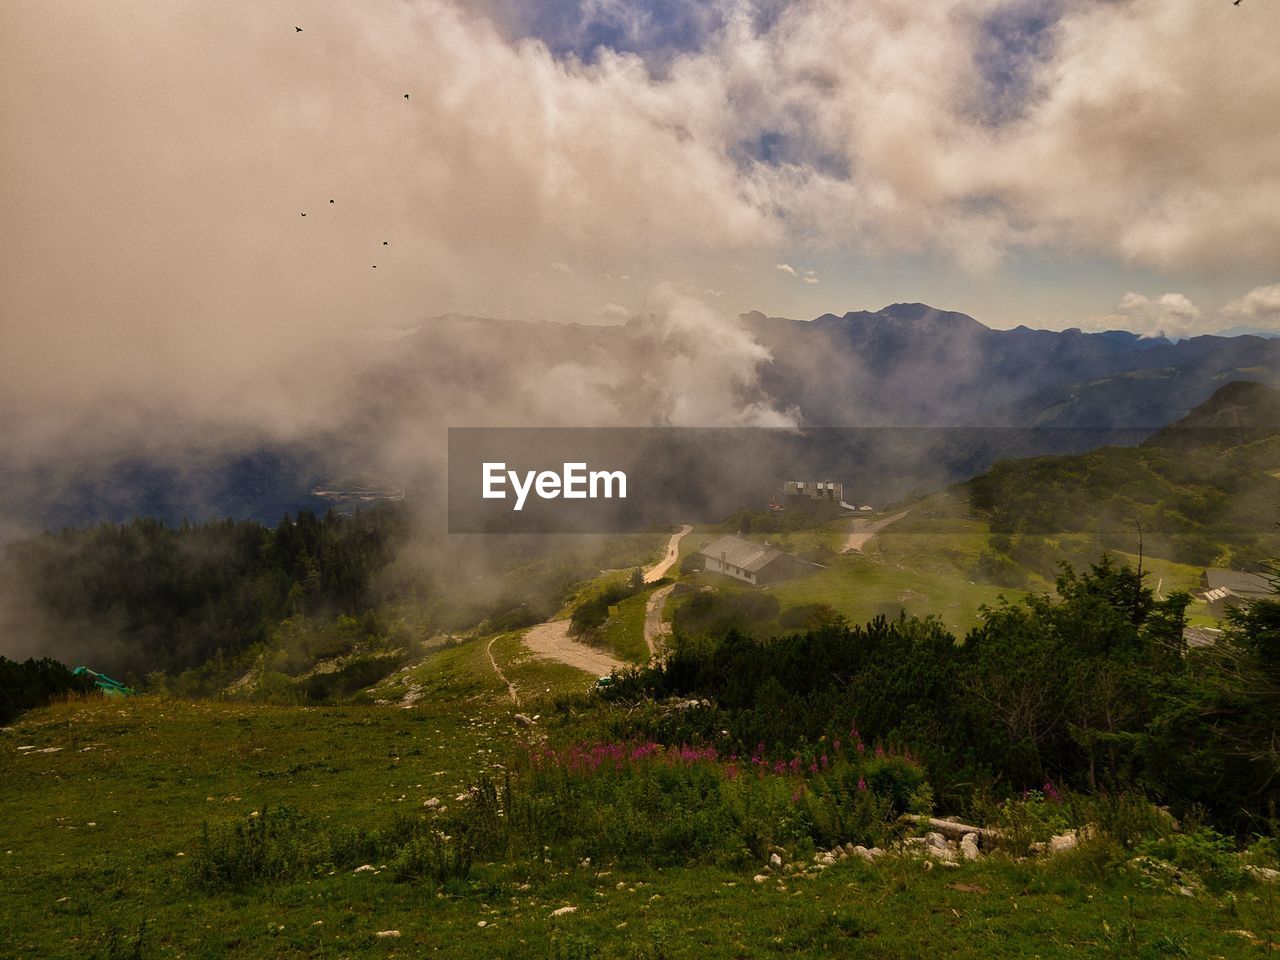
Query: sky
{"points": [[1057, 163]]}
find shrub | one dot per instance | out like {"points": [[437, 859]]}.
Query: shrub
{"points": [[35, 683], [1203, 851]]}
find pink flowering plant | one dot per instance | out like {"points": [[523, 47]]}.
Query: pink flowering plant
{"points": [[658, 802]]}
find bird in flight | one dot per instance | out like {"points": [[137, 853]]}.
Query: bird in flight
{"points": [[406, 96], [331, 201], [375, 266], [384, 243], [304, 214], [298, 29]]}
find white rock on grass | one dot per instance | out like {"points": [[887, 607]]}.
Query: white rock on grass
{"points": [[1063, 842], [775, 860], [1265, 874], [969, 846], [563, 910], [387, 933], [760, 878]]}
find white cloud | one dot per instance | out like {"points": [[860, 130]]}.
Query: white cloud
{"points": [[1168, 315], [612, 313], [178, 142], [1260, 307]]}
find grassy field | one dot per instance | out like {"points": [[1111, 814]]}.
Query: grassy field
{"points": [[623, 633], [922, 564], [98, 834], [103, 804]]}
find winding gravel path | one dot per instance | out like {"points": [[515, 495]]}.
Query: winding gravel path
{"points": [[863, 530], [654, 628], [659, 569], [551, 640]]}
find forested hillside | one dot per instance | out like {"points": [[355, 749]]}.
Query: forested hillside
{"points": [[1204, 491]]}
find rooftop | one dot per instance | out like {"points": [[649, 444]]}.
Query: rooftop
{"points": [[742, 553]]}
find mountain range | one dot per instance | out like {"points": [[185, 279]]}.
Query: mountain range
{"points": [[908, 365]]}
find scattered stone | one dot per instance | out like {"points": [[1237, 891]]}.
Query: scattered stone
{"points": [[563, 910], [775, 860], [387, 933], [969, 846], [1063, 842], [482, 923], [937, 847], [432, 803], [1265, 874], [523, 721], [365, 868], [760, 878]]}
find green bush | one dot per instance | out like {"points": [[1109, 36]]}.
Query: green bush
{"points": [[1202, 851]]}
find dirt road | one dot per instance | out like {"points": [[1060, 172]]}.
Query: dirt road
{"points": [[551, 640], [864, 529], [654, 628], [659, 569]]}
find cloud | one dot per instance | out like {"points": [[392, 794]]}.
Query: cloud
{"points": [[1168, 315], [808, 276], [156, 158], [1260, 307], [612, 313]]}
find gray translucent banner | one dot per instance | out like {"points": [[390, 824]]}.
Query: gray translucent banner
{"points": [[570, 480]]}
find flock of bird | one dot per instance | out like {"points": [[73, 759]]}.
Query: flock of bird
{"points": [[298, 29]]}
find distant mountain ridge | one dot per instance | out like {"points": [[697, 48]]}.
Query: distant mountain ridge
{"points": [[907, 365], [912, 364]]}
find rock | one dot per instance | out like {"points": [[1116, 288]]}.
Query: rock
{"points": [[523, 721], [760, 878], [937, 847], [482, 923], [364, 868], [1063, 842], [850, 849], [1265, 874], [387, 933], [969, 846], [775, 860], [432, 803], [563, 910]]}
